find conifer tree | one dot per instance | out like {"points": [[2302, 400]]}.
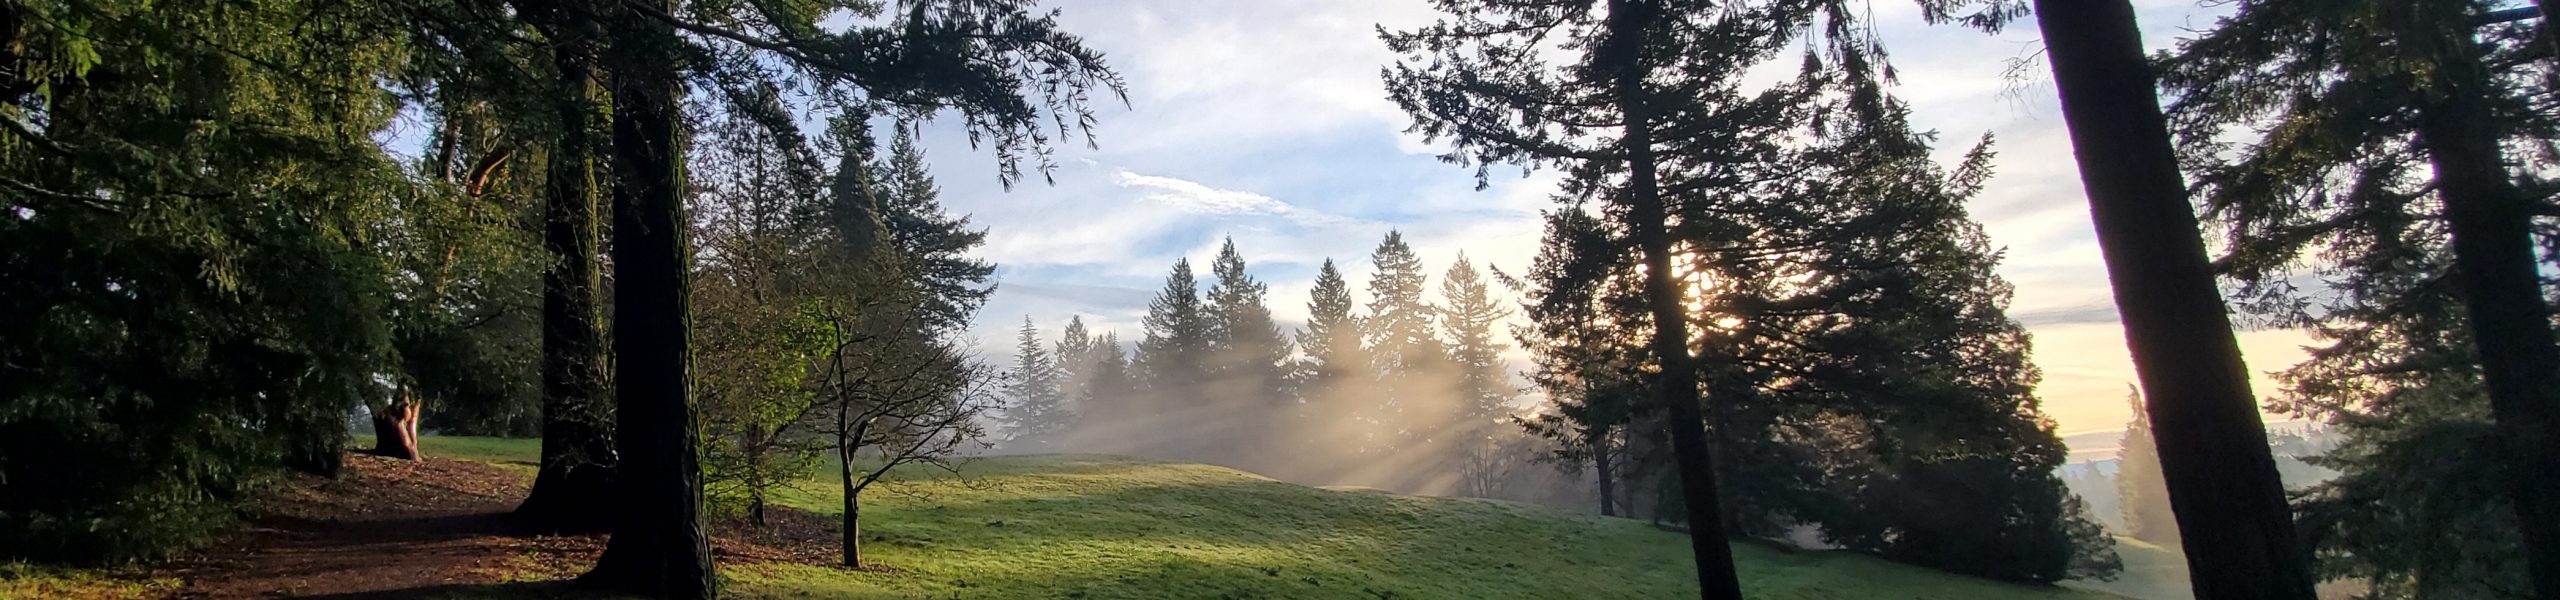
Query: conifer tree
{"points": [[1333, 375], [1467, 319], [2143, 495], [2213, 444], [1038, 419], [1172, 363], [934, 244], [2390, 175], [1249, 377], [1076, 355], [1403, 349]]}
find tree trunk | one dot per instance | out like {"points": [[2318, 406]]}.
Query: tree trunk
{"points": [[1676, 391], [2213, 447], [395, 427], [573, 492], [1608, 481], [852, 498], [2492, 226], [660, 548]]}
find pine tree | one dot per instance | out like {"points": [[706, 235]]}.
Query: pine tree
{"points": [[1587, 369], [1478, 80], [1403, 349], [2213, 444], [1038, 421], [1172, 366], [1250, 379], [1333, 378], [2142, 493], [1467, 319], [1077, 355], [576, 473], [2393, 161], [934, 244]]}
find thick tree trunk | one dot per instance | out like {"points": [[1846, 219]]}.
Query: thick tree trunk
{"points": [[395, 427], [1676, 391], [2221, 475], [573, 492], [2493, 252], [1600, 461], [661, 547]]}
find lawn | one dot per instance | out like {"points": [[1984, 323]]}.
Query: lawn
{"points": [[1096, 527], [1077, 526]]}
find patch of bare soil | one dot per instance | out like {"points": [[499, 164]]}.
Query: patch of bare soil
{"points": [[391, 528]]}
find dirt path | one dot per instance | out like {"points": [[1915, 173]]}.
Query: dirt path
{"points": [[386, 528], [403, 529]]}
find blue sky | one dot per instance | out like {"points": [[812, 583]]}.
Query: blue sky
{"points": [[1266, 121]]}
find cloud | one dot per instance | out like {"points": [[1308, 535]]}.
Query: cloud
{"points": [[1192, 196]]}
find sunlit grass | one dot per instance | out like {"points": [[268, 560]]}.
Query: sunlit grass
{"points": [[1078, 526], [20, 580]]}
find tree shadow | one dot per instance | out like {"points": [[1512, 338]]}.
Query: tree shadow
{"points": [[520, 589]]}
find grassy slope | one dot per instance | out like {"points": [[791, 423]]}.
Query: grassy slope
{"points": [[1113, 527], [2150, 573]]}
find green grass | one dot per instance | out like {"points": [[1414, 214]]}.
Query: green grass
{"points": [[21, 580], [1114, 527], [2150, 573]]}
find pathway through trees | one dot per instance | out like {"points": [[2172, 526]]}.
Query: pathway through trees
{"points": [[409, 529]]}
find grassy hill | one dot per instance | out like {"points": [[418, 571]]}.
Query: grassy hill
{"points": [[1076, 526], [1114, 527]]}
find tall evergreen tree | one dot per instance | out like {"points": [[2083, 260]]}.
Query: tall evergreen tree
{"points": [[576, 472], [2213, 444], [1467, 318], [1077, 356], [1333, 373], [1635, 67], [1172, 364], [2435, 272], [1038, 419], [1576, 285], [1250, 377], [933, 244], [663, 546], [1403, 348], [2141, 491]]}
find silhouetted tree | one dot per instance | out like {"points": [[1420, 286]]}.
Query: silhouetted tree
{"points": [[2230, 503], [2385, 88]]}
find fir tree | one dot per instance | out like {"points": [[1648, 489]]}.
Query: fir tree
{"points": [[1247, 365], [1038, 419], [2142, 493], [1467, 319], [1402, 347], [1172, 364], [2391, 174]]}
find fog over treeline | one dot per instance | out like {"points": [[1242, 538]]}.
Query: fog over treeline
{"points": [[1396, 384]]}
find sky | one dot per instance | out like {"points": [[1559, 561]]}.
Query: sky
{"points": [[1266, 122]]}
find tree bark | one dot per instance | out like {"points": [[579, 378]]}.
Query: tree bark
{"points": [[852, 522], [1608, 481], [1676, 391], [660, 548], [2494, 261], [2221, 474], [573, 492], [395, 427]]}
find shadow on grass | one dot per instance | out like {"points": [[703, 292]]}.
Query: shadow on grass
{"points": [[494, 591]]}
